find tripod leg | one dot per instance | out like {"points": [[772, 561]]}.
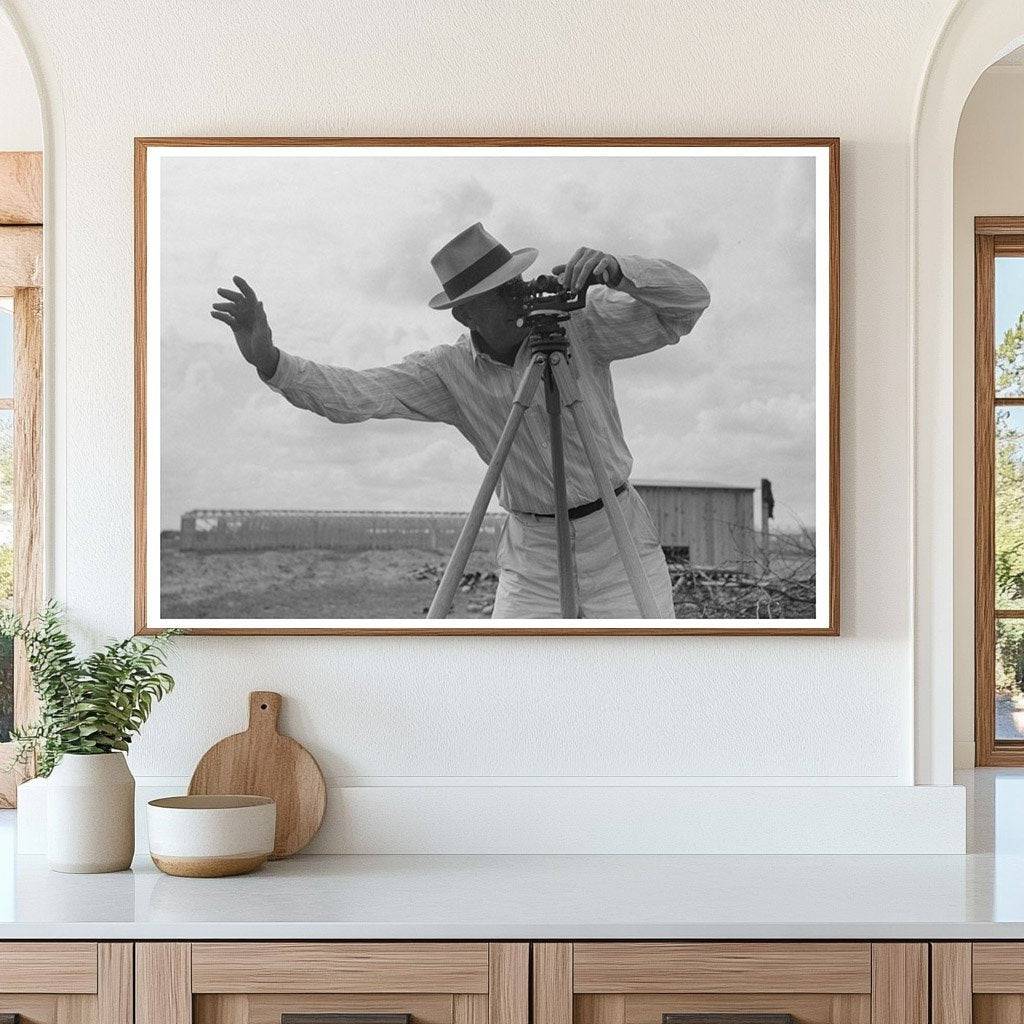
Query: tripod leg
{"points": [[588, 432], [442, 603], [566, 564]]}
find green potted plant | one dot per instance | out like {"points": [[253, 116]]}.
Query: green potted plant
{"points": [[89, 710]]}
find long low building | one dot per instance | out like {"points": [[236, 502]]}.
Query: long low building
{"points": [[706, 524], [357, 530]]}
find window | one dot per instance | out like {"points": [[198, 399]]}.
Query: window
{"points": [[6, 510], [21, 365], [999, 490]]}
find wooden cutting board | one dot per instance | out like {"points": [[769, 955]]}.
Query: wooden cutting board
{"points": [[262, 762]]}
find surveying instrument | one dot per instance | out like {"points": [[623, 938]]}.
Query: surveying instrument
{"points": [[545, 306]]}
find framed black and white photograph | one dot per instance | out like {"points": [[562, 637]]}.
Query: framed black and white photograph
{"points": [[490, 386]]}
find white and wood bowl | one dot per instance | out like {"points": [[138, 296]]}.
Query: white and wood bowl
{"points": [[211, 836]]}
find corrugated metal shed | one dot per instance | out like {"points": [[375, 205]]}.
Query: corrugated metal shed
{"points": [[708, 524]]}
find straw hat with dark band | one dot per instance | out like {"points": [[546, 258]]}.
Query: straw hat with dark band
{"points": [[474, 262]]}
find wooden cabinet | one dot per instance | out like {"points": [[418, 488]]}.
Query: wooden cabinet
{"points": [[66, 982], [494, 983], [648, 982], [260, 982], [980, 982]]}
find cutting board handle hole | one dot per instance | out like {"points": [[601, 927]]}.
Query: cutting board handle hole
{"points": [[263, 707]]}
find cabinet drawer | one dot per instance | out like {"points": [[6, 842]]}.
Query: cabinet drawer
{"points": [[66, 982], [735, 982], [981, 982], [261, 982]]}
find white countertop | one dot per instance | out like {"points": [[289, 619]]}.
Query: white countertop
{"points": [[532, 897], [977, 896]]}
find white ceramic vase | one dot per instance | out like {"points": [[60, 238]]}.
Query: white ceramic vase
{"points": [[90, 814]]}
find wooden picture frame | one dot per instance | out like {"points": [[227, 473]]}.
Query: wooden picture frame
{"points": [[827, 608]]}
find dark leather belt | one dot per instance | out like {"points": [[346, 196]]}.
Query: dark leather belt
{"points": [[583, 510]]}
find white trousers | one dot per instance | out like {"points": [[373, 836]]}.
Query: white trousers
{"points": [[528, 566]]}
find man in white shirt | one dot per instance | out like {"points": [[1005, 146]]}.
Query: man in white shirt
{"points": [[642, 305]]}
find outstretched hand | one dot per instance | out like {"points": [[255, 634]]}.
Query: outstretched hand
{"points": [[243, 313], [588, 266]]}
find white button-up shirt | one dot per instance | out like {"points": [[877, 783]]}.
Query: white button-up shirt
{"points": [[655, 304]]}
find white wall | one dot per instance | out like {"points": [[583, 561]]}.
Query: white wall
{"points": [[988, 181], [443, 713]]}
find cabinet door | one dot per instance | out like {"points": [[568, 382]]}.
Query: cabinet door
{"points": [[66, 982], [737, 982], [981, 982], [315, 982]]}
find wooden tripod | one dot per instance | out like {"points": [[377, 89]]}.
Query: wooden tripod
{"points": [[550, 362]]}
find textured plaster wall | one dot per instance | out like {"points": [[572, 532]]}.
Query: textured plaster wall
{"points": [[735, 711]]}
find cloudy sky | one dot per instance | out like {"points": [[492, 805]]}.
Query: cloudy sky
{"points": [[338, 249]]}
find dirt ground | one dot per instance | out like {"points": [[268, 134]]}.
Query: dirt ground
{"points": [[330, 584], [310, 584]]}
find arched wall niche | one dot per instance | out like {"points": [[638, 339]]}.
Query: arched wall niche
{"points": [[975, 34]]}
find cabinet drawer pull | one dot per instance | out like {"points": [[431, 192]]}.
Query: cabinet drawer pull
{"points": [[728, 1018], [339, 1018]]}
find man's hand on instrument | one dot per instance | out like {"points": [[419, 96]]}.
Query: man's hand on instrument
{"points": [[589, 266], [243, 313]]}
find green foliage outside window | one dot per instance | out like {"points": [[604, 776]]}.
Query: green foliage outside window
{"points": [[1009, 510]]}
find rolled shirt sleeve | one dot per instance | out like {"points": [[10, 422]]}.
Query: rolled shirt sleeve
{"points": [[654, 305], [411, 389]]}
